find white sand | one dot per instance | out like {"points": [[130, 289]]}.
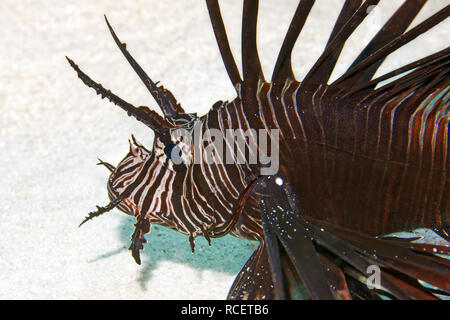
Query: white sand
{"points": [[52, 129]]}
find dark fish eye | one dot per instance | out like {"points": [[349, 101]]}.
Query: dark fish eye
{"points": [[173, 152]]}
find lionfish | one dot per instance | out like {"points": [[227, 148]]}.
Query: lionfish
{"points": [[358, 159]]}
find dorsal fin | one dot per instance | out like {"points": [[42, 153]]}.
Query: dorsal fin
{"points": [[348, 9], [222, 41], [393, 28], [322, 69], [283, 66], [251, 65], [393, 45], [424, 64]]}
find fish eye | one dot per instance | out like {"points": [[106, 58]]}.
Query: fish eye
{"points": [[173, 152]]}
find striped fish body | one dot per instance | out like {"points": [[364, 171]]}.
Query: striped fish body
{"points": [[373, 166], [376, 168]]}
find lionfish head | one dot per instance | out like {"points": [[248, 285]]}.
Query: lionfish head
{"points": [[144, 178], [146, 181]]}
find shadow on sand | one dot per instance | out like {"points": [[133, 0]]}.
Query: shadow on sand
{"points": [[227, 254]]}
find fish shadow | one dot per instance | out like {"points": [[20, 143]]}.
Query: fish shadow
{"points": [[226, 254]]}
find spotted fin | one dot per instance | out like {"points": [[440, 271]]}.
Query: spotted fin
{"points": [[254, 281]]}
